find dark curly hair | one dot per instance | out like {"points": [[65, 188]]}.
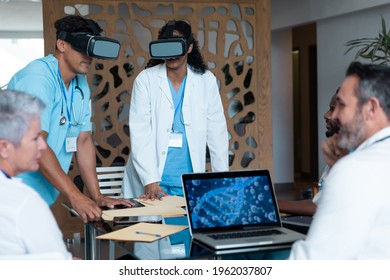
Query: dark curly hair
{"points": [[75, 23], [195, 59]]}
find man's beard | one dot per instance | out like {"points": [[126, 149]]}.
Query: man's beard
{"points": [[351, 135]]}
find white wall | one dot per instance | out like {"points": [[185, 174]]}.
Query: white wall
{"points": [[288, 13], [282, 106], [337, 22], [21, 36], [332, 34], [21, 18]]}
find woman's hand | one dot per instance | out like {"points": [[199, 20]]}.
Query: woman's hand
{"points": [[153, 191]]}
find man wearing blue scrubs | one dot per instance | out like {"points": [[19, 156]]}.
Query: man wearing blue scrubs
{"points": [[60, 81]]}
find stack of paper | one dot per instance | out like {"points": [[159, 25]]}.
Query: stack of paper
{"points": [[144, 232], [168, 206], [172, 200]]}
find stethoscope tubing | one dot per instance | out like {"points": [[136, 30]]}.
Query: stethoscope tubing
{"points": [[63, 117]]}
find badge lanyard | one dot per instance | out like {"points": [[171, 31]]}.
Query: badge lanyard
{"points": [[70, 141], [68, 110], [179, 105], [176, 137]]}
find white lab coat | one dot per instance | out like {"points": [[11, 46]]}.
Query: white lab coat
{"points": [[27, 224], [150, 121], [352, 219]]}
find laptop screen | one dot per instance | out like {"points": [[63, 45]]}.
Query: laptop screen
{"points": [[234, 199]]}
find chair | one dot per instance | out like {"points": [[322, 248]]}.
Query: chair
{"points": [[110, 180], [110, 184]]}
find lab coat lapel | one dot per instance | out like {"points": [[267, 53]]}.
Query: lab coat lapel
{"points": [[163, 83], [188, 97]]}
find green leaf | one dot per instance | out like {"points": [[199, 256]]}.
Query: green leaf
{"points": [[375, 49], [383, 26]]}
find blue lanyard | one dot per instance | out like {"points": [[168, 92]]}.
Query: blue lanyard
{"points": [[68, 110], [180, 104]]}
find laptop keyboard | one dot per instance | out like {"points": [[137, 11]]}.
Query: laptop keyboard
{"points": [[244, 234]]}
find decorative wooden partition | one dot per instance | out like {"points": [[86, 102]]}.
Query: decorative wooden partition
{"points": [[234, 37]]}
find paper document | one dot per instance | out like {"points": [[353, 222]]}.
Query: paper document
{"points": [[170, 200], [168, 206], [144, 211], [143, 232]]}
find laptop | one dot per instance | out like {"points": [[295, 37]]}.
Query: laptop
{"points": [[234, 209], [298, 223], [296, 220]]}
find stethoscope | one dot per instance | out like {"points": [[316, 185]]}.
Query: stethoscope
{"points": [[63, 117]]}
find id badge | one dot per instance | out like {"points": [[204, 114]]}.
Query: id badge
{"points": [[71, 144], [175, 139]]}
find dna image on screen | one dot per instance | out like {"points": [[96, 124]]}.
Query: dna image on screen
{"points": [[222, 202]]}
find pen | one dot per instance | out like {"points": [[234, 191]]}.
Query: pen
{"points": [[147, 233], [74, 212]]}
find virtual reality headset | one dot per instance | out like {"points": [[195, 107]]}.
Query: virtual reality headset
{"points": [[92, 45], [169, 46]]}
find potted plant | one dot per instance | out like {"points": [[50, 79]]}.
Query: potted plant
{"points": [[376, 49]]}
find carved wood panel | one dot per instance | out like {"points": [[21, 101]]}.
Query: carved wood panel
{"points": [[234, 38], [235, 41]]}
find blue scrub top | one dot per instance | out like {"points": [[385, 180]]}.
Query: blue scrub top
{"points": [[41, 78]]}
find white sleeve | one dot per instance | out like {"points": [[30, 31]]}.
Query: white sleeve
{"points": [[217, 133], [142, 138], [38, 228], [337, 229]]}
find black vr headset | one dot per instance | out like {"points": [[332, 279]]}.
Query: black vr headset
{"points": [[169, 46], [91, 43]]}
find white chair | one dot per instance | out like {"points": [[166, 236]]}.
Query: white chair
{"points": [[110, 180], [110, 184]]}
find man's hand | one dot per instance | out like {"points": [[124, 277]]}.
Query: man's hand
{"points": [[331, 150], [104, 201], [89, 211], [153, 191]]}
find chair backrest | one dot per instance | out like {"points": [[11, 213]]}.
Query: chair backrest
{"points": [[110, 180]]}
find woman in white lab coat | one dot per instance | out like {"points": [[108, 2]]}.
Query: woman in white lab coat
{"points": [[175, 111]]}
